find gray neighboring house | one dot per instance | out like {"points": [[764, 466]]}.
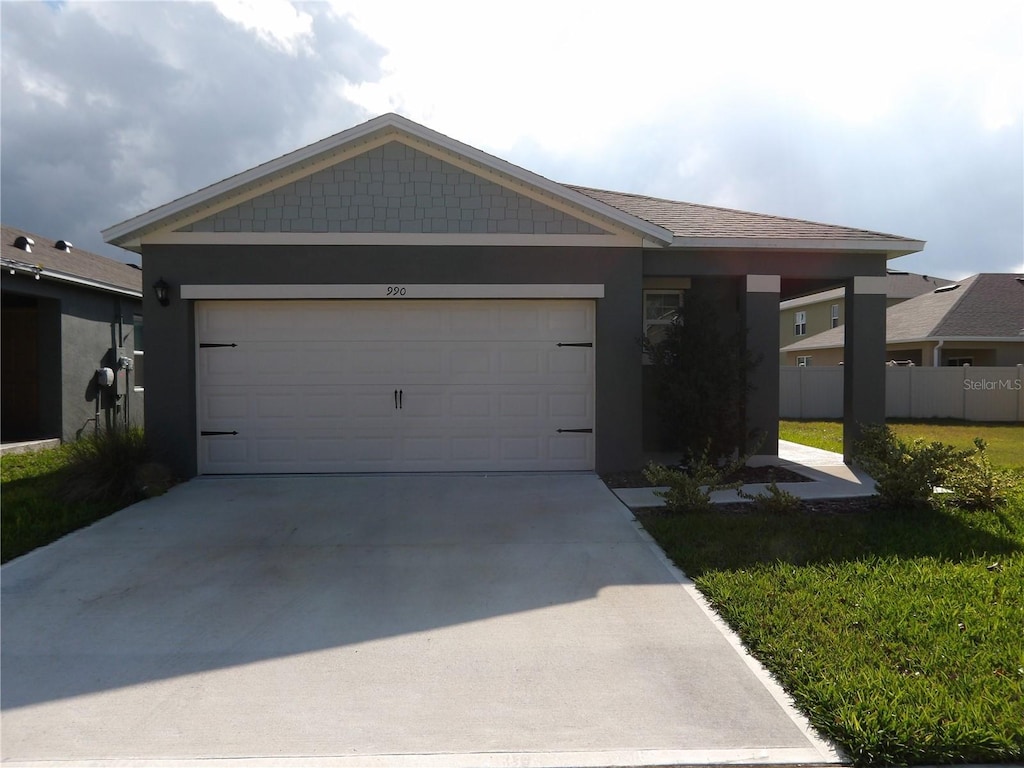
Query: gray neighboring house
{"points": [[975, 321], [807, 316], [66, 314], [391, 299]]}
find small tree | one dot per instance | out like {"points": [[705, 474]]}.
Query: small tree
{"points": [[701, 379]]}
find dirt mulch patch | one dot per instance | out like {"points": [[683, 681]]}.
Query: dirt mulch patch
{"points": [[856, 505], [746, 474]]}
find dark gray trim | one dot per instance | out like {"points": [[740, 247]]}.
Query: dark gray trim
{"points": [[761, 318], [863, 365]]}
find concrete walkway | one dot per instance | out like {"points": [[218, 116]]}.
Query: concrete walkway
{"points": [[830, 479], [427, 620]]}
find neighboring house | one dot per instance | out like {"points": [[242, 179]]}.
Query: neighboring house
{"points": [[390, 299], [66, 314], [806, 316], [976, 321]]}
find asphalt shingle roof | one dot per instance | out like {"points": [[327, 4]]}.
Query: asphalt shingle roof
{"points": [[695, 220], [78, 263], [983, 306], [898, 285]]}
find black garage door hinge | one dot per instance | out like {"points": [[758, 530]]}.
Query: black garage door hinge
{"points": [[575, 343], [207, 346], [588, 431], [207, 433]]}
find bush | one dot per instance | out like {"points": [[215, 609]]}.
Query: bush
{"points": [[690, 488], [905, 474], [105, 467], [773, 500], [701, 401], [974, 483]]}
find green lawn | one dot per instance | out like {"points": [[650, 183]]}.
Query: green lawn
{"points": [[31, 513], [1005, 441], [900, 634]]}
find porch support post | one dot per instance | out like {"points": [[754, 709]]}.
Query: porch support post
{"points": [[863, 358], [761, 318]]}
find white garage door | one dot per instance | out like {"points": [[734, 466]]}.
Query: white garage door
{"points": [[395, 386]]}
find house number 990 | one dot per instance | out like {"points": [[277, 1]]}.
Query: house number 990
{"points": [[396, 290]]}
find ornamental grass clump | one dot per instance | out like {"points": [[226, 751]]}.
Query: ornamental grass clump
{"points": [[105, 466]]}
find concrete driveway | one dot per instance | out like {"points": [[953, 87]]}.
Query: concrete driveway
{"points": [[376, 620]]}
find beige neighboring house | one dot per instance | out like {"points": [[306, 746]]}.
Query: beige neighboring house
{"points": [[976, 321], [807, 316]]}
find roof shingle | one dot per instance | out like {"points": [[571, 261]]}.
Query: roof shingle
{"points": [[76, 264], [989, 306], [695, 220]]}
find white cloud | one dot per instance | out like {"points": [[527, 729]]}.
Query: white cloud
{"points": [[276, 22]]}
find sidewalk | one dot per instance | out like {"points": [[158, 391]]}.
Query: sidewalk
{"points": [[830, 479]]}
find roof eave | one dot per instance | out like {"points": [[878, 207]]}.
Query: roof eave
{"points": [[892, 248], [64, 277], [800, 347]]}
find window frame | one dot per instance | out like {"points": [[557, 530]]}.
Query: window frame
{"points": [[800, 322], [804, 361], [138, 354], [835, 315], [959, 362], [648, 323]]}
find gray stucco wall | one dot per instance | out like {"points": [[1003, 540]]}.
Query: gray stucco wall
{"points": [[171, 395], [394, 188], [759, 316], [75, 338]]}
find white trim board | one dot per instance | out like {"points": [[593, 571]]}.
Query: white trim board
{"points": [[396, 291], [388, 238]]}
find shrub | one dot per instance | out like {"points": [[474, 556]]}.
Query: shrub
{"points": [[701, 401], [104, 466], [974, 483], [773, 500], [690, 488], [905, 473]]}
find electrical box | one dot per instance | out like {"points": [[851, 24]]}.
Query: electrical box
{"points": [[104, 377], [122, 376]]}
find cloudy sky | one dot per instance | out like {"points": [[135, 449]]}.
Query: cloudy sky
{"points": [[903, 117]]}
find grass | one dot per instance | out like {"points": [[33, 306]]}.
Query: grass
{"points": [[1005, 441], [900, 634], [34, 509]]}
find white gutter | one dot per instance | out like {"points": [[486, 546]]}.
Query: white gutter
{"points": [[800, 244], [937, 353], [40, 272]]}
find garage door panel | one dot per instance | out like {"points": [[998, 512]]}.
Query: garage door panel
{"points": [[311, 385], [569, 448]]}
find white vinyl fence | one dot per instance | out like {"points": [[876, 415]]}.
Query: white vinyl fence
{"points": [[971, 393]]}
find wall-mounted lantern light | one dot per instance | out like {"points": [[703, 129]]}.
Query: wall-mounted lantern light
{"points": [[162, 291]]}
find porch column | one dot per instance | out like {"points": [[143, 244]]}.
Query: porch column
{"points": [[863, 358], [761, 317]]}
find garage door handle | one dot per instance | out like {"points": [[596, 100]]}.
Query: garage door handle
{"points": [[399, 399], [588, 431], [207, 433], [575, 343], [396, 399]]}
